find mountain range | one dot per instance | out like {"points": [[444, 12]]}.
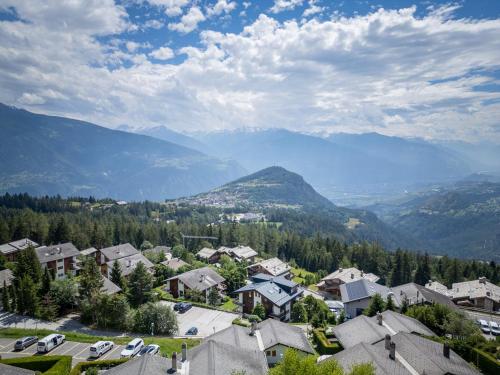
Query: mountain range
{"points": [[55, 155]]}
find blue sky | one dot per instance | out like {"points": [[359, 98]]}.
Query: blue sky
{"points": [[426, 69]]}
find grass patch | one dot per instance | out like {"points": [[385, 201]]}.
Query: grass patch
{"points": [[229, 305], [299, 277], [167, 345]]}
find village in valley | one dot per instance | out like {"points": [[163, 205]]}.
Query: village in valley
{"points": [[230, 311]]}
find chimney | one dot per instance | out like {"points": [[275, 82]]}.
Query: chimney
{"points": [[174, 362], [482, 280], [379, 318], [129, 262], [387, 342], [341, 269], [352, 275], [184, 352], [392, 348], [253, 328], [446, 350], [362, 273], [279, 291]]}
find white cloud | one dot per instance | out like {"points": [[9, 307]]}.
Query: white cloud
{"points": [[162, 53], [153, 24], [172, 8], [282, 5], [221, 6], [387, 71], [189, 21], [313, 9]]}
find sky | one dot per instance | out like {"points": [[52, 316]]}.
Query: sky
{"points": [[427, 69]]}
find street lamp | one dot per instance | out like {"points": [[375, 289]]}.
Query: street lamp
{"points": [[152, 328]]}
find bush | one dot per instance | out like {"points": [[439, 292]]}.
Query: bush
{"points": [[162, 318], [47, 365], [322, 343], [101, 365]]}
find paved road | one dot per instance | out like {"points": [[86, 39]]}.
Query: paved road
{"points": [[79, 351], [206, 320]]}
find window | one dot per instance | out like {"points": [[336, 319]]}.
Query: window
{"points": [[268, 353], [273, 353], [60, 267]]}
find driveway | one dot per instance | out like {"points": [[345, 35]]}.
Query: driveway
{"points": [[206, 320], [79, 351]]}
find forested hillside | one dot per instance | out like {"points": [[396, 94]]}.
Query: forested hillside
{"points": [[102, 223]]}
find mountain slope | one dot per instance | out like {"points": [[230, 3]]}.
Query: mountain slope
{"points": [[166, 134], [462, 220], [342, 165], [284, 196], [55, 155]]}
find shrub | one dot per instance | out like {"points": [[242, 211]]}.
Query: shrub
{"points": [[322, 343], [161, 317], [101, 365], [47, 365]]}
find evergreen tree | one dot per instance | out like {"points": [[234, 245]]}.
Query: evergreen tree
{"points": [[423, 273], [390, 303], [91, 280], [376, 305], [213, 297], [13, 296], [46, 280], [140, 285], [5, 297], [259, 311], [299, 313], [27, 265], [404, 306], [48, 308], [28, 302], [116, 275]]}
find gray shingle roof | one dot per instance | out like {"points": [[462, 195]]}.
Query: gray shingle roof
{"points": [[158, 250], [129, 263], [243, 252], [109, 287], [347, 275], [367, 330], [273, 290], [206, 253], [7, 276], [361, 289], [217, 358], [415, 293], [12, 370], [237, 336], [119, 251], [375, 354], [14, 246], [175, 263], [55, 252], [275, 332], [426, 356], [143, 365], [200, 279], [273, 266], [89, 251]]}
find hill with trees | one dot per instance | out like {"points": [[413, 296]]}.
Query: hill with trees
{"points": [[56, 155]]}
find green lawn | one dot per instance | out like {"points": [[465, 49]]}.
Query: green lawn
{"points": [[300, 279], [229, 305], [167, 344]]}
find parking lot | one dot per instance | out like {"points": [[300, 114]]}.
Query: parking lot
{"points": [[79, 351], [206, 320]]}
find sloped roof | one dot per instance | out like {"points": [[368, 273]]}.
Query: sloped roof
{"points": [[12, 370], [415, 293], [175, 263], [426, 356], [89, 251], [158, 250], [129, 263], [109, 287], [480, 288], [236, 335], [375, 354], [143, 365], [351, 274], [274, 332], [200, 279], [244, 252], [217, 358], [119, 251], [367, 330], [360, 289], [274, 266], [273, 290], [55, 252], [14, 246], [206, 253]]}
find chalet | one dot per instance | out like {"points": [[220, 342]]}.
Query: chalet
{"points": [[128, 264], [242, 253], [60, 259], [158, 251], [415, 294], [478, 293], [174, 264], [276, 294], [273, 267], [209, 255], [202, 279], [11, 249], [330, 284], [357, 295], [270, 337], [109, 254], [436, 286]]}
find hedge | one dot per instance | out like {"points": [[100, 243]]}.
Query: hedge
{"points": [[485, 362], [322, 343], [47, 365], [104, 364]]}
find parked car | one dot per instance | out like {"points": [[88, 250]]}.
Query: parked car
{"points": [[485, 327], [49, 342], [149, 349], [100, 348], [132, 348], [185, 306], [495, 328], [178, 305], [193, 331], [25, 342]]}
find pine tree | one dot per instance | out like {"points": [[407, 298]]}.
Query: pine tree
{"points": [[299, 313], [376, 305], [116, 275], [13, 296], [91, 280], [140, 285], [404, 306], [27, 265], [5, 297], [423, 273], [46, 281], [213, 297], [28, 301], [390, 303]]}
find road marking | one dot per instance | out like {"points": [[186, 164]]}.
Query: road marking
{"points": [[71, 348], [9, 344], [105, 356], [86, 348]]}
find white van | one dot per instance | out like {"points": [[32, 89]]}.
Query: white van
{"points": [[132, 348], [49, 342], [100, 348]]}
